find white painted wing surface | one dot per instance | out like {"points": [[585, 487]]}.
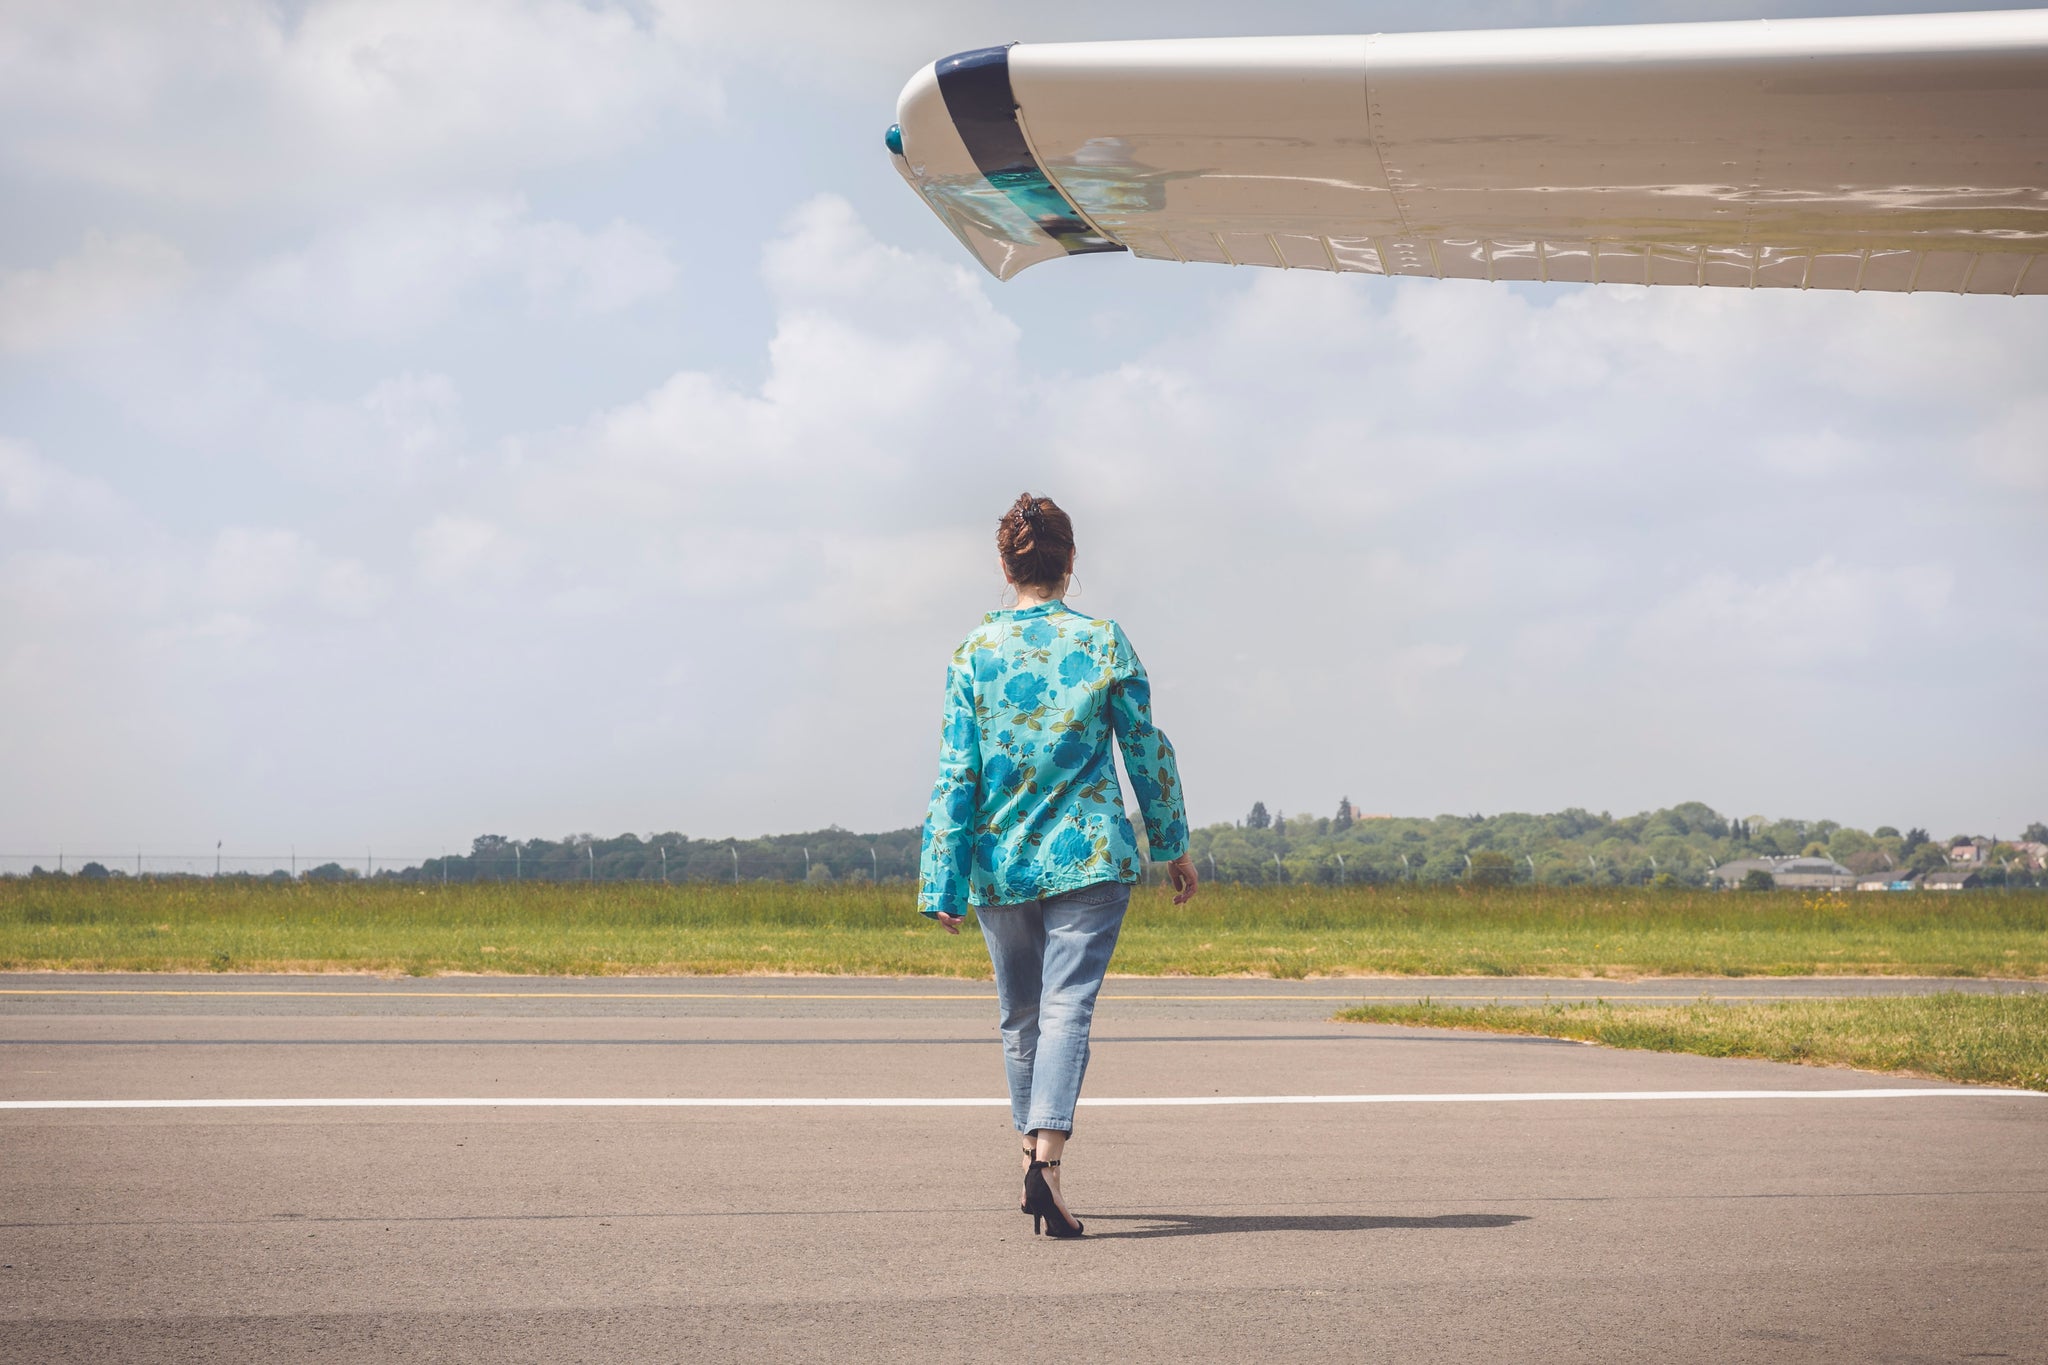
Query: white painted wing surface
{"points": [[1892, 153]]}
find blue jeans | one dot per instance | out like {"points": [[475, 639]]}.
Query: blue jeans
{"points": [[1049, 958]]}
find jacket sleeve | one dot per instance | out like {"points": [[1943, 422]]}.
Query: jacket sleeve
{"points": [[1148, 756], [948, 844]]}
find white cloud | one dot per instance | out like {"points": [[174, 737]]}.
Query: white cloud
{"points": [[107, 279], [401, 270], [238, 101], [1818, 613], [257, 568], [31, 486], [420, 416], [453, 549], [880, 365], [1415, 671], [252, 570], [406, 433], [58, 587], [213, 633], [615, 267], [1819, 454], [2011, 451], [1418, 533], [884, 580], [1447, 547], [348, 588]]}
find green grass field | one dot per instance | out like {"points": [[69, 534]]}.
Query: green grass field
{"points": [[75, 925], [1990, 1039]]}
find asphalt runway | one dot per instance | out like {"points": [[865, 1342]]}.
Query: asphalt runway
{"points": [[1466, 1198]]}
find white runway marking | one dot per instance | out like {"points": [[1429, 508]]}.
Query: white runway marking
{"points": [[987, 996], [863, 1102]]}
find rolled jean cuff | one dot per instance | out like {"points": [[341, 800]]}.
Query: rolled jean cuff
{"points": [[1056, 1125]]}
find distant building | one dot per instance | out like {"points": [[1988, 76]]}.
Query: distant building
{"points": [[1813, 874], [1972, 851], [1888, 879], [1949, 879], [1730, 874], [1798, 874], [2033, 854]]}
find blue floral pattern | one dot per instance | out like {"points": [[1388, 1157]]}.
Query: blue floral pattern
{"points": [[1027, 803]]}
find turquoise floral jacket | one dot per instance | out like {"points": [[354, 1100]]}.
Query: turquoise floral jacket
{"points": [[1027, 803]]}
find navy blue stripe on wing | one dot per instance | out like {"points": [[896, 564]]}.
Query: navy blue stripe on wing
{"points": [[976, 88]]}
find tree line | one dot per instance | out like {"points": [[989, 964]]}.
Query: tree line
{"points": [[819, 856], [1676, 846], [1679, 845]]}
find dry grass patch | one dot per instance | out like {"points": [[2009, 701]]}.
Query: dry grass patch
{"points": [[1989, 1039]]}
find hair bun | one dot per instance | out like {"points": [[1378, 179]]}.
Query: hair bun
{"points": [[1036, 541]]}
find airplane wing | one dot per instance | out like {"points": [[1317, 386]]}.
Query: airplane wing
{"points": [[1894, 153]]}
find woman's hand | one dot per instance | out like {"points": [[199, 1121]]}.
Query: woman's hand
{"points": [[952, 923], [1182, 871]]}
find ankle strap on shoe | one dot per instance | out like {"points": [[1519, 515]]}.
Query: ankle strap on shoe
{"points": [[1041, 1165]]}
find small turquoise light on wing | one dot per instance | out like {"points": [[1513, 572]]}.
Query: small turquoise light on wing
{"points": [[894, 137]]}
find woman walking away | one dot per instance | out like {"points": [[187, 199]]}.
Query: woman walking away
{"points": [[1027, 824]]}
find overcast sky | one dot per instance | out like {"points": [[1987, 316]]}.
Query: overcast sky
{"points": [[428, 417]]}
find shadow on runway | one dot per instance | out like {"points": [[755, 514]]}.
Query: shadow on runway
{"points": [[1207, 1224]]}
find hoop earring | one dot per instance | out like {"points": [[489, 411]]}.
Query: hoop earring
{"points": [[1073, 584]]}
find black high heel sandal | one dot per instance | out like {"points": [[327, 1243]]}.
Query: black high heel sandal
{"points": [[1043, 1208]]}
